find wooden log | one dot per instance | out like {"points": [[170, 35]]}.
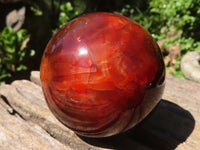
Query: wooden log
{"points": [[173, 124], [17, 133]]}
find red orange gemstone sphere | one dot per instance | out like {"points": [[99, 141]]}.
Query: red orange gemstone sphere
{"points": [[101, 74]]}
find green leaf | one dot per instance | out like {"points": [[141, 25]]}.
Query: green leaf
{"points": [[37, 11], [32, 53], [14, 51], [21, 67]]}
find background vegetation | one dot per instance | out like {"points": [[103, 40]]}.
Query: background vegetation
{"points": [[174, 24]]}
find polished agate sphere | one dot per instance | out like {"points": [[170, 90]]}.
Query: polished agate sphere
{"points": [[101, 74]]}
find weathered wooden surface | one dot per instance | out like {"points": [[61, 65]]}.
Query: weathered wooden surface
{"points": [[26, 122]]}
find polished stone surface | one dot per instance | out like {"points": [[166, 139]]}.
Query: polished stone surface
{"points": [[101, 74]]}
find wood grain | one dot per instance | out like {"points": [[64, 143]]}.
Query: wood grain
{"points": [[173, 124]]}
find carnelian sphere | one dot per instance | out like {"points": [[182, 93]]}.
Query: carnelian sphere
{"points": [[101, 74]]}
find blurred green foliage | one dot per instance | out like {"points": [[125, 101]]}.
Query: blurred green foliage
{"points": [[72, 8], [13, 50], [181, 15], [67, 13]]}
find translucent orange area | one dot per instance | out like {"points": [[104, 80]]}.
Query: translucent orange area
{"points": [[99, 71]]}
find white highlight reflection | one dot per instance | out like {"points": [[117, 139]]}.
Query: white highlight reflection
{"points": [[83, 51]]}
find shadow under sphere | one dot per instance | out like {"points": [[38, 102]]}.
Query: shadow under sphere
{"points": [[164, 128]]}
